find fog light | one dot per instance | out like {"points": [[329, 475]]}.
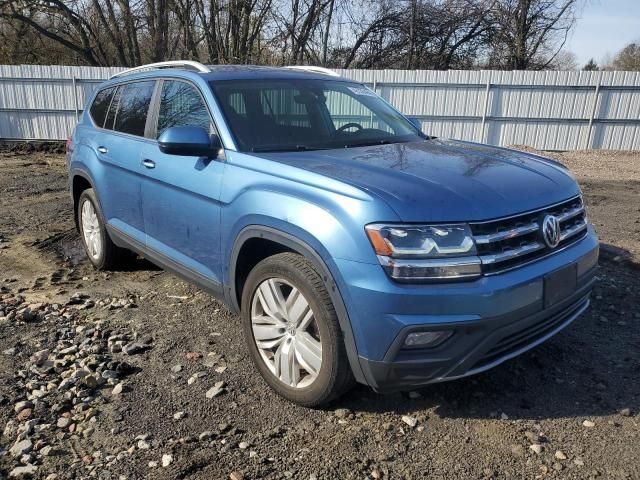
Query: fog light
{"points": [[426, 339]]}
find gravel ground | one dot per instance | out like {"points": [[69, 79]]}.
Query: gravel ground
{"points": [[106, 374]]}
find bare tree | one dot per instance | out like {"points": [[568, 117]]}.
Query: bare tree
{"points": [[628, 58], [530, 33]]}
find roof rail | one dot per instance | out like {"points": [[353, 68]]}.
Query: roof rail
{"points": [[314, 69], [187, 64]]}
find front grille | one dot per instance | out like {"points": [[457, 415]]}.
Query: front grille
{"points": [[511, 242], [520, 339]]}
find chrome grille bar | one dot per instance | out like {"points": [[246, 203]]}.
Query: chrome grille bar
{"points": [[570, 214], [573, 230], [511, 253], [506, 234]]}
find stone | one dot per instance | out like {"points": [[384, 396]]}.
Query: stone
{"points": [[26, 471], [20, 448], [179, 415], [560, 455], [143, 445], [18, 407], [236, 476], [342, 412], [63, 422], [117, 390], [588, 424], [536, 447], [176, 368], [243, 445], [133, 348], [411, 421], [166, 460], [216, 390]]}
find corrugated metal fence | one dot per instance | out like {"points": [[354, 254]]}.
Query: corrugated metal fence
{"points": [[546, 110]]}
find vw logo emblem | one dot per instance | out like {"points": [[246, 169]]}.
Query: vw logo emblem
{"points": [[551, 231]]}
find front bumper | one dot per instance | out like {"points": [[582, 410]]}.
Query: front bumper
{"points": [[493, 319]]}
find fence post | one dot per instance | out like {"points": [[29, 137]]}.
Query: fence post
{"points": [[75, 97], [594, 106], [485, 110]]}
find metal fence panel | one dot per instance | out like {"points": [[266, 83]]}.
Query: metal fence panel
{"points": [[546, 110]]}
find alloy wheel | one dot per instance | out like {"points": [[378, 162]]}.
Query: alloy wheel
{"points": [[286, 333], [91, 230]]}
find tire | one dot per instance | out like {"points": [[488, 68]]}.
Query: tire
{"points": [[108, 254], [312, 387]]}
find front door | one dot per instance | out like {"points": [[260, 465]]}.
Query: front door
{"points": [[180, 194]]}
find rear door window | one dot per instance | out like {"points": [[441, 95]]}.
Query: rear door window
{"points": [[182, 105], [100, 106], [131, 116]]}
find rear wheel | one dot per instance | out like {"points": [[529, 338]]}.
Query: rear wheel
{"points": [[100, 250], [292, 331]]}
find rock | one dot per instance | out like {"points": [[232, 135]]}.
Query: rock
{"points": [[21, 448], [206, 435], [625, 412], [243, 445], [63, 422], [560, 455], [133, 348], [236, 476], [411, 421], [536, 447], [153, 464], [18, 407], [23, 472], [166, 460], [216, 390], [342, 412], [179, 415], [143, 445], [117, 390], [24, 414], [588, 424], [176, 368], [195, 376], [46, 451]]}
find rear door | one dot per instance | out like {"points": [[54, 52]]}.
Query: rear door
{"points": [[181, 193], [119, 146]]}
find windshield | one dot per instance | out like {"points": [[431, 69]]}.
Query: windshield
{"points": [[289, 115]]}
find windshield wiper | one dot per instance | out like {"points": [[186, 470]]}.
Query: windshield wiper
{"points": [[366, 143], [282, 148]]}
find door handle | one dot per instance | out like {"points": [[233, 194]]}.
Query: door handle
{"points": [[149, 163], [103, 149]]}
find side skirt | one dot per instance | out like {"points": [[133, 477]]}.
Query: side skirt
{"points": [[123, 240]]}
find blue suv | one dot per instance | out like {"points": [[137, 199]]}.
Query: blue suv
{"points": [[354, 247]]}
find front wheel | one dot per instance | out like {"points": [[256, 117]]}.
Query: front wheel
{"points": [[292, 331]]}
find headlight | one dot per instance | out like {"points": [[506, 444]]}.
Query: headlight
{"points": [[425, 252]]}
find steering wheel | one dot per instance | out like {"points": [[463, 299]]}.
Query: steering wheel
{"points": [[349, 125]]}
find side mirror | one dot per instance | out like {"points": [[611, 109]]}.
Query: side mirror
{"points": [[189, 141], [416, 122]]}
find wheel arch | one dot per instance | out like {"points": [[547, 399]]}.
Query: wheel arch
{"points": [[80, 182], [287, 242]]}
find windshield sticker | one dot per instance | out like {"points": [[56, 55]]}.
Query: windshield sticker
{"points": [[362, 91]]}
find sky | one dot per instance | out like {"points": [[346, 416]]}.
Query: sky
{"points": [[604, 27]]}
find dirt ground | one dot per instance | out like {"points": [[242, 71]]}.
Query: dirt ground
{"points": [[568, 409]]}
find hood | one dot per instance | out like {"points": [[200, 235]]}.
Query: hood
{"points": [[443, 180]]}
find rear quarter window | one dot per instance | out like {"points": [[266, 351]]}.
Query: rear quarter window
{"points": [[133, 108], [100, 105]]}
